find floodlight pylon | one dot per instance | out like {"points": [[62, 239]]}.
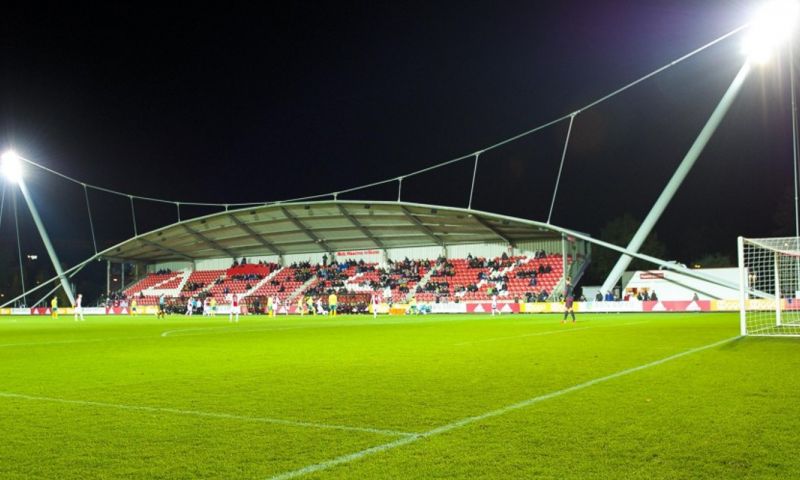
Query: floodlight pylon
{"points": [[677, 178], [42, 231]]}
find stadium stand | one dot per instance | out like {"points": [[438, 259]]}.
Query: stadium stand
{"points": [[283, 284], [152, 281], [174, 282], [528, 278], [201, 281], [240, 279]]}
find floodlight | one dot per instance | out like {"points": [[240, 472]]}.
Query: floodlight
{"points": [[772, 26], [11, 166]]}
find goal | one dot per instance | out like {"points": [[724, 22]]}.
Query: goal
{"points": [[769, 287]]}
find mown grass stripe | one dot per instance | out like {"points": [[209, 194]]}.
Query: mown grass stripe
{"points": [[227, 416], [484, 416]]}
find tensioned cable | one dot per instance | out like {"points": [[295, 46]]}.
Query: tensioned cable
{"points": [[795, 181], [561, 166], [474, 173], [44, 298], [69, 271], [55, 289], [133, 216], [19, 250], [115, 192], [2, 204], [794, 140], [399, 188], [427, 169], [91, 222]]}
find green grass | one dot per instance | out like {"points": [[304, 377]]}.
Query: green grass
{"points": [[116, 397]]}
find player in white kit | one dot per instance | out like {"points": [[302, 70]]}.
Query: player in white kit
{"points": [[494, 305], [235, 308], [190, 306], [320, 309], [375, 303], [79, 308], [387, 295]]}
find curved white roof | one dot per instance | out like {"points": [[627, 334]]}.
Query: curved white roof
{"points": [[325, 226]]}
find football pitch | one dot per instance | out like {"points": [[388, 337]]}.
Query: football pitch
{"points": [[516, 396]]}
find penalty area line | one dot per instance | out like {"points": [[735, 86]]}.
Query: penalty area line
{"points": [[193, 332], [524, 335], [549, 332], [196, 413], [344, 459]]}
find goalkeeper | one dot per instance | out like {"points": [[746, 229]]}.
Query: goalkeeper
{"points": [[569, 301]]}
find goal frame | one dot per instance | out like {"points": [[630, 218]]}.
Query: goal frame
{"points": [[748, 291]]}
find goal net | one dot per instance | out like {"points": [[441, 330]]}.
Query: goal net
{"points": [[769, 292]]}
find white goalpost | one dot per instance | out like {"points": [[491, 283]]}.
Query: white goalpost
{"points": [[769, 286]]}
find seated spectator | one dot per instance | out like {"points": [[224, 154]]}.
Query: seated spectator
{"points": [[543, 295]]}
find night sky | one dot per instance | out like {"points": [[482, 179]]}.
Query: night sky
{"points": [[235, 105]]}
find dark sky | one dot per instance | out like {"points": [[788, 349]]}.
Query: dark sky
{"points": [[231, 104]]}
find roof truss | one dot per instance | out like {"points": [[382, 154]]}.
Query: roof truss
{"points": [[165, 249], [208, 241], [297, 223], [424, 228], [259, 238], [360, 227]]}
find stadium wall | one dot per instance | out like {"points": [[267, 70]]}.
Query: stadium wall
{"points": [[208, 264], [478, 308], [549, 246], [488, 250], [414, 253], [174, 266], [670, 285]]}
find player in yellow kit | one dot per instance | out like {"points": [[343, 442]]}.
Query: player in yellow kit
{"points": [[332, 301], [54, 308], [310, 305]]}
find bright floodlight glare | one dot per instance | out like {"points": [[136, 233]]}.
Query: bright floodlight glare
{"points": [[772, 26], [11, 166]]}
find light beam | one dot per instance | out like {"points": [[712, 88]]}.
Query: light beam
{"points": [[772, 26], [11, 166]]}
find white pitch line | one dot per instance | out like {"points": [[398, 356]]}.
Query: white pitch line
{"points": [[537, 334], [226, 329], [253, 328], [638, 322], [222, 329], [193, 332], [227, 416], [478, 418], [550, 332], [66, 342]]}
